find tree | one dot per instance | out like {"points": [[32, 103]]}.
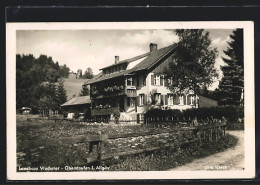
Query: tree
{"points": [[231, 86], [84, 91], [64, 71], [88, 74], [79, 74], [192, 67], [31, 73], [61, 93]]}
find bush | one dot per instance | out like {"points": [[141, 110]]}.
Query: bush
{"points": [[231, 113], [158, 113], [116, 115]]}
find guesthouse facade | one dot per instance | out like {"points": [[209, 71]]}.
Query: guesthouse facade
{"points": [[136, 85]]}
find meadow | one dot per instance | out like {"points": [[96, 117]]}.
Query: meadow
{"points": [[60, 155]]}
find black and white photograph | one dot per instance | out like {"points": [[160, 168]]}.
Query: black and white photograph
{"points": [[130, 100]]}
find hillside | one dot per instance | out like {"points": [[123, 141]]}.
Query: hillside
{"points": [[73, 86]]}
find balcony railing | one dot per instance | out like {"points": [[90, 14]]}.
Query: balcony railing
{"points": [[130, 92], [103, 111]]}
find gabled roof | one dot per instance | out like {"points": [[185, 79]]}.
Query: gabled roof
{"points": [[77, 101], [128, 60], [151, 59]]}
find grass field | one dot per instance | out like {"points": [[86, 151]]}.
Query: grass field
{"points": [[73, 86]]}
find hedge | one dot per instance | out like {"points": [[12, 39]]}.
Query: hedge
{"points": [[231, 113]]}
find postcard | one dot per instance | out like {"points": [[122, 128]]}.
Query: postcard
{"points": [[130, 100]]}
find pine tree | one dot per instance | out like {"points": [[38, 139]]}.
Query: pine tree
{"points": [[232, 83], [61, 93]]}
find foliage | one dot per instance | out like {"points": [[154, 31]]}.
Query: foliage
{"points": [[193, 63], [88, 74], [84, 91], [232, 83], [61, 93], [231, 113], [171, 157], [159, 113], [31, 72], [209, 94], [116, 115], [51, 96], [74, 155], [79, 74]]}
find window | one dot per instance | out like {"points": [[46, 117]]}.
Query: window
{"points": [[141, 102], [192, 100], [157, 80], [181, 100], [170, 99], [129, 81]]}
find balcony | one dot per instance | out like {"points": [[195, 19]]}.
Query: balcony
{"points": [[104, 111], [130, 92]]}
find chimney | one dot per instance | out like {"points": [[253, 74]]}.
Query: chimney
{"points": [[153, 47], [116, 59]]}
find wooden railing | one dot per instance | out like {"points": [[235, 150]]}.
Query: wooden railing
{"points": [[130, 92]]}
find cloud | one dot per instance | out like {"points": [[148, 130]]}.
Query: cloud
{"points": [[161, 37]]}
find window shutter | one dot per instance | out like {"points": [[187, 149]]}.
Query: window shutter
{"points": [[165, 81], [152, 79], [137, 80], [188, 99], [161, 100], [161, 80], [133, 81], [138, 100], [145, 99], [166, 99]]}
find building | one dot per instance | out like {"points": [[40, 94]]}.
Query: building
{"points": [[135, 85], [79, 104], [26, 110]]}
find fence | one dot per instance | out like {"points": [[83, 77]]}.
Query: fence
{"points": [[201, 132]]}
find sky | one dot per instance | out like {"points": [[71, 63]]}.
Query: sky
{"points": [[80, 49]]}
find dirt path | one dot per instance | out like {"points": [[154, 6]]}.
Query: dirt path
{"points": [[230, 159]]}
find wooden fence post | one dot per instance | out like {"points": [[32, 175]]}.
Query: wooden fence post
{"points": [[210, 138], [216, 133], [99, 151]]}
